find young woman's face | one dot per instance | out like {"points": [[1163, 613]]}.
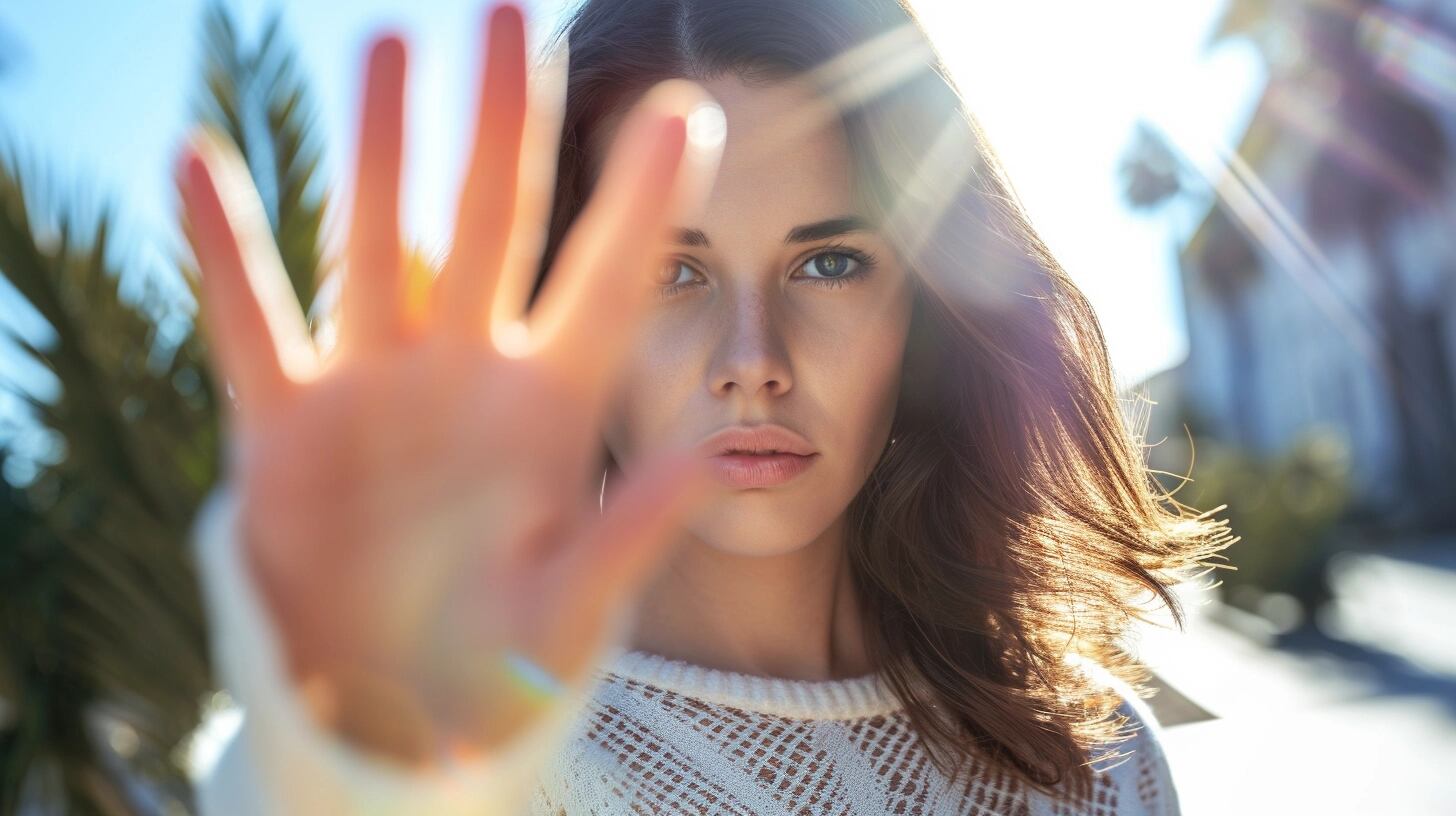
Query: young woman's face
{"points": [[754, 322]]}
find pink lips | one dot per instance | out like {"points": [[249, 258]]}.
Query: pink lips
{"points": [[758, 455], [760, 469]]}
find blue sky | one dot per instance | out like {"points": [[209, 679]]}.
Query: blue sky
{"points": [[99, 94]]}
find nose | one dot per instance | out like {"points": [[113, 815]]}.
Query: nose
{"points": [[751, 356]]}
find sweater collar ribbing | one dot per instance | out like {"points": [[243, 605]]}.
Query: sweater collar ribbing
{"points": [[847, 698]]}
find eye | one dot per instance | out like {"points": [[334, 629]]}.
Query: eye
{"points": [[671, 271], [670, 279], [832, 264], [837, 266]]}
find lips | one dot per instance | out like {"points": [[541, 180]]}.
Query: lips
{"points": [[760, 469], [757, 439], [758, 456]]}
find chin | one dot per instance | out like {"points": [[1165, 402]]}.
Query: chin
{"points": [[742, 525]]}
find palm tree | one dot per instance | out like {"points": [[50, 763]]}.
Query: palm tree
{"points": [[104, 667]]}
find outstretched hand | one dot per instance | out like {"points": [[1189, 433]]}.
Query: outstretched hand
{"points": [[417, 504]]}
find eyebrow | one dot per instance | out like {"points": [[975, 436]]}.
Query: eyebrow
{"points": [[798, 235]]}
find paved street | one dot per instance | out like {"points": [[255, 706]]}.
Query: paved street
{"points": [[1363, 723]]}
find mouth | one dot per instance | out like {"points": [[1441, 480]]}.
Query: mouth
{"points": [[758, 456], [759, 469]]}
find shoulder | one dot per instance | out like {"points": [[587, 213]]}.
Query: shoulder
{"points": [[1136, 767]]}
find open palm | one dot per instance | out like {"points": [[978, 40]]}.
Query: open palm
{"points": [[417, 505]]}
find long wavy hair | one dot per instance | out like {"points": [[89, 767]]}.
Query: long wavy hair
{"points": [[1014, 519]]}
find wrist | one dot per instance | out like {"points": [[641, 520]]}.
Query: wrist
{"points": [[374, 712]]}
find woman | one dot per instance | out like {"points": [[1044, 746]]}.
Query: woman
{"points": [[767, 468]]}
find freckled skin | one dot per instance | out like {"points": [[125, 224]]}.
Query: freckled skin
{"points": [[753, 338]]}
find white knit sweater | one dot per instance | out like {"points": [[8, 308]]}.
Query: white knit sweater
{"points": [[646, 735]]}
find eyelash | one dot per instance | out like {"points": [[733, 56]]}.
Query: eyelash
{"points": [[865, 263]]}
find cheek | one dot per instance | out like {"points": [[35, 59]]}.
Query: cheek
{"points": [[656, 381], [856, 373]]}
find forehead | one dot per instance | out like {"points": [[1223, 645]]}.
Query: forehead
{"points": [[783, 146], [785, 162]]}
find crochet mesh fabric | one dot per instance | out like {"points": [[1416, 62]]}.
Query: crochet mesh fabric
{"points": [[663, 737]]}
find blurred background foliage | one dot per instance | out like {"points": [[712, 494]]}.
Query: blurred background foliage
{"points": [[104, 664], [1296, 497]]}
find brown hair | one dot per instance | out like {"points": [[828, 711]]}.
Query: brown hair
{"points": [[1014, 518]]}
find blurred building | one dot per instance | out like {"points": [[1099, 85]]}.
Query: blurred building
{"points": [[1321, 290]]}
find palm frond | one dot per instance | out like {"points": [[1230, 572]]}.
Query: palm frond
{"points": [[257, 95], [103, 582], [104, 664]]}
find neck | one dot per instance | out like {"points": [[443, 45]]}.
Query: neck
{"points": [[792, 615]]}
